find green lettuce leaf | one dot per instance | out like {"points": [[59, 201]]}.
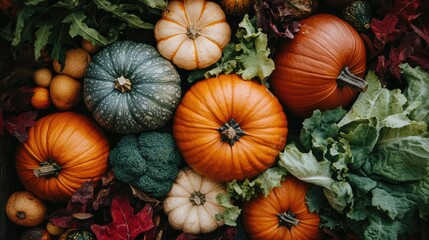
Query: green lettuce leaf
{"points": [[417, 90], [248, 57], [376, 102]]}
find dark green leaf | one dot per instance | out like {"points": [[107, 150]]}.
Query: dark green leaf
{"points": [[23, 25], [117, 11], [79, 28], [42, 37], [158, 4]]}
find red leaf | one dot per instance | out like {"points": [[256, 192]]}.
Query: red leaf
{"points": [[2, 123], [421, 27], [84, 193], [408, 10], [185, 236], [385, 30], [125, 225], [17, 125]]}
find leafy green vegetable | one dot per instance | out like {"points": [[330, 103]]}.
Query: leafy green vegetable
{"points": [[250, 57], [370, 164], [45, 24]]}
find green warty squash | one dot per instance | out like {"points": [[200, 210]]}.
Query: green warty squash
{"points": [[130, 88]]}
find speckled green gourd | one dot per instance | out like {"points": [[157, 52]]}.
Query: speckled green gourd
{"points": [[130, 88], [358, 14], [76, 234]]}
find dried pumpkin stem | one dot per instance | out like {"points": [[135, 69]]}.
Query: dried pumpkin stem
{"points": [[197, 198], [122, 84], [287, 219], [21, 215], [351, 80], [47, 169], [230, 132], [192, 32]]}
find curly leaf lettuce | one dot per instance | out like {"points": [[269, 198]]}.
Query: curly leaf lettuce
{"points": [[249, 57], [374, 160]]}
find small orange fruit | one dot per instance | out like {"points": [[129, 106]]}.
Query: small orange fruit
{"points": [[42, 77], [75, 65], [89, 47], [40, 99], [25, 209], [66, 92], [53, 229]]}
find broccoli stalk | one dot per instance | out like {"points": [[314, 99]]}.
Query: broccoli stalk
{"points": [[149, 161]]}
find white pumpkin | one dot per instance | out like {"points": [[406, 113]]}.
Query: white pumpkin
{"points": [[191, 204], [192, 33]]}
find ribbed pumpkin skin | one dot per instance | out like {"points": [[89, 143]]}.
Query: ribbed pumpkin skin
{"points": [[207, 106], [307, 67], [74, 142], [260, 214], [192, 33], [155, 88]]}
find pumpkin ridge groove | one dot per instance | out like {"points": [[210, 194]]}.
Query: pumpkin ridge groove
{"points": [[315, 68], [325, 50]]}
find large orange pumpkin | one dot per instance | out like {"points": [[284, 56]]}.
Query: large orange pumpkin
{"points": [[321, 68], [283, 214], [228, 128], [63, 150]]}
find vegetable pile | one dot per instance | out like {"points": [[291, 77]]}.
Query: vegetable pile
{"points": [[215, 119]]}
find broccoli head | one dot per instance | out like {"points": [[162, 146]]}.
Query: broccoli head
{"points": [[149, 161]]}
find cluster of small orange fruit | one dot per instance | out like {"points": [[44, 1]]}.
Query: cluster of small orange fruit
{"points": [[61, 85]]}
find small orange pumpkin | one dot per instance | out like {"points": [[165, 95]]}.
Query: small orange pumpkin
{"points": [[63, 150], [192, 33], [41, 98], [283, 214], [229, 128]]}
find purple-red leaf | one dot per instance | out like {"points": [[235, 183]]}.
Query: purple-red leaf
{"points": [[84, 193], [17, 125], [421, 27], [125, 224], [386, 30], [185, 236]]}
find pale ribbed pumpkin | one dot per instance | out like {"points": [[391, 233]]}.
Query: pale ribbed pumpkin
{"points": [[191, 204], [130, 88], [63, 151], [192, 33], [229, 128]]}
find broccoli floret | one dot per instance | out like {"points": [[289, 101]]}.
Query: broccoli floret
{"points": [[149, 161]]}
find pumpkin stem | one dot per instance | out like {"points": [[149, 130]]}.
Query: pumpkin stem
{"points": [[230, 132], [47, 169], [21, 215], [192, 32], [122, 84], [197, 198], [287, 219], [351, 80]]}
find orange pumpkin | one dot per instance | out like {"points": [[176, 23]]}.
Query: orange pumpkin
{"points": [[192, 33], [228, 128], [321, 68], [63, 151], [283, 214]]}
